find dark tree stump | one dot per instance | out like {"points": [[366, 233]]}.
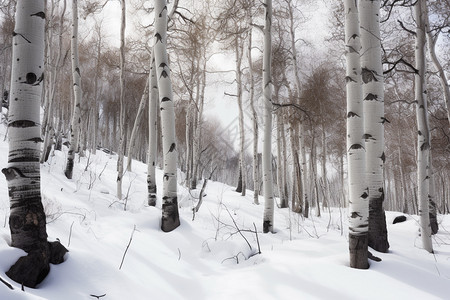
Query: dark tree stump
{"points": [[32, 269], [57, 252], [358, 251]]}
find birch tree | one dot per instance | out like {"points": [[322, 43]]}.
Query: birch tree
{"points": [[358, 194], [233, 25], [76, 77], [267, 146], [153, 133], [27, 218], [48, 121], [170, 217], [293, 51], [121, 149], [136, 126], [239, 49], [253, 108], [423, 131], [373, 96]]}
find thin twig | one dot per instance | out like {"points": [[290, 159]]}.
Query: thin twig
{"points": [[100, 175], [70, 234], [257, 239], [6, 283], [128, 246], [98, 297], [237, 227]]}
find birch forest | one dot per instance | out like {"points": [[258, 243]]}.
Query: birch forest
{"points": [[311, 113]]}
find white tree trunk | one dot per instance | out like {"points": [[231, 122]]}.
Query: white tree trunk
{"points": [[153, 134], [254, 121], [136, 126], [23, 172], [357, 188], [27, 218], [267, 146], [242, 167], [188, 137], [313, 174], [373, 96], [170, 217], [48, 121], [76, 76], [198, 127], [306, 194], [279, 168], [120, 152], [303, 177], [325, 187], [423, 136], [95, 109]]}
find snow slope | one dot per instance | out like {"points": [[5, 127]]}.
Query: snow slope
{"points": [[206, 258]]}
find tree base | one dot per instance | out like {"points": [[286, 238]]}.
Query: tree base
{"points": [[152, 200], [378, 237], [32, 269], [69, 168], [358, 246], [267, 227], [170, 216]]}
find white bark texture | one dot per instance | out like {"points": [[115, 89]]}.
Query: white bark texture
{"points": [[170, 217], [242, 167], [306, 192], [152, 134], [95, 109], [373, 96], [120, 152], [268, 217], [423, 131], [357, 188], [27, 218], [197, 174], [77, 93], [23, 172], [303, 177], [255, 118], [136, 126], [48, 121]]}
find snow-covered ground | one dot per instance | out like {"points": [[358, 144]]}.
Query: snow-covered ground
{"points": [[207, 258]]}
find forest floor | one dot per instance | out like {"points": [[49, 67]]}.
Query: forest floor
{"points": [[214, 256]]}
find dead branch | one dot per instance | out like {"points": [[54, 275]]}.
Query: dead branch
{"points": [[98, 297], [6, 283], [237, 227], [235, 257], [257, 239], [128, 246]]}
